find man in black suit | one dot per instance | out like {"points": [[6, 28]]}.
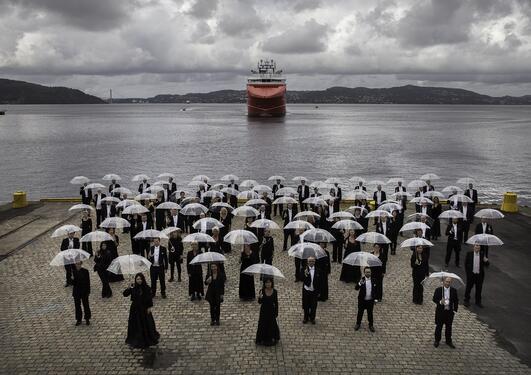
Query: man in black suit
{"points": [[268, 208], [108, 210], [143, 245], [310, 290], [338, 195], [379, 196], [428, 187], [275, 188], [424, 208], [143, 186], [475, 273], [468, 213], [384, 227], [172, 185], [233, 199], [402, 189], [86, 194], [69, 242], [367, 289], [113, 186], [304, 193], [484, 228], [158, 257], [175, 219], [454, 231], [81, 292], [98, 204], [447, 302], [288, 215], [360, 186], [472, 194]]}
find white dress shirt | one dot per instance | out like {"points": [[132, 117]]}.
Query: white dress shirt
{"points": [[454, 226], [484, 225], [425, 210], [70, 243], [175, 220], [312, 273], [465, 209], [446, 298], [156, 254], [144, 225], [378, 196], [98, 202], [477, 259], [289, 214], [368, 289]]}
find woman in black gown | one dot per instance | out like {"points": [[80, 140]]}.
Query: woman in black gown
{"points": [[350, 274], [112, 246], [86, 227], [195, 274], [246, 288], [436, 210], [216, 289], [268, 333], [175, 245], [141, 330], [102, 260], [226, 219], [378, 272]]}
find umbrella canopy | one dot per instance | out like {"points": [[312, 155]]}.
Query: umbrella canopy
{"points": [[115, 222], [347, 225], [154, 189], [432, 194], [230, 177], [248, 183], [248, 194], [207, 223], [298, 224], [320, 185], [256, 202], [451, 189], [145, 196], [390, 207], [263, 269], [489, 213], [466, 180], [64, 230], [150, 234], [400, 195], [276, 177], [240, 237], [379, 213], [357, 195], [287, 191], [111, 176], [413, 226], [416, 241], [418, 216], [208, 257], [127, 202], [341, 215], [317, 235], [135, 209], [363, 210], [161, 183], [484, 240], [201, 177], [166, 175], [373, 237], [214, 194], [262, 189], [376, 182], [97, 236], [430, 177], [129, 265], [245, 211], [421, 200], [140, 177], [230, 191], [334, 180], [299, 179], [168, 206], [198, 237], [264, 223], [357, 179], [219, 205], [94, 186], [122, 190], [217, 187], [110, 200], [436, 279], [306, 250], [80, 207], [395, 180], [362, 259], [460, 198], [286, 200], [79, 180], [167, 231], [70, 256], [415, 184], [306, 214], [194, 209], [198, 183], [451, 214]]}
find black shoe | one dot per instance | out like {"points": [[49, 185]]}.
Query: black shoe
{"points": [[192, 298], [480, 305], [170, 280], [436, 344], [356, 327], [466, 303], [163, 294], [451, 345], [212, 323], [305, 321], [179, 279], [313, 321], [217, 322], [371, 328], [199, 298], [88, 322], [78, 323]]}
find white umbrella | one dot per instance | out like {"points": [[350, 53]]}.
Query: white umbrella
{"points": [[135, 209], [489, 213], [94, 186], [341, 215], [298, 224], [154, 189], [230, 177], [357, 195], [390, 207], [436, 279], [363, 210], [484, 240], [416, 241], [194, 209], [160, 183], [230, 191], [214, 194], [378, 213], [97, 236], [285, 200], [79, 180], [430, 177], [248, 194], [208, 257], [240, 237], [219, 205], [317, 235], [451, 214], [287, 191], [140, 177], [373, 237], [115, 222], [197, 183], [167, 231], [362, 259], [461, 198], [275, 178], [421, 200], [70, 256], [400, 195], [201, 177], [64, 230], [145, 196], [451, 189], [262, 189], [208, 223], [357, 179], [432, 194], [395, 180], [127, 202], [334, 180], [320, 185], [413, 226], [110, 200], [376, 182], [166, 175], [299, 179], [256, 202], [168, 206], [466, 180], [122, 190], [198, 237], [306, 214], [217, 187], [129, 265], [263, 269], [81, 207], [150, 234], [248, 183], [306, 250], [347, 225], [245, 211], [111, 176], [264, 223], [418, 216], [415, 184]]}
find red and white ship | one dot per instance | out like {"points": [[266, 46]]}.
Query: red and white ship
{"points": [[266, 91]]}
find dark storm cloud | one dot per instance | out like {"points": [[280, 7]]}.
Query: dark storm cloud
{"points": [[203, 9], [240, 19], [308, 38]]}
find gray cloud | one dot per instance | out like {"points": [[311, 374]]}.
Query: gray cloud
{"points": [[308, 38], [240, 19], [203, 9]]}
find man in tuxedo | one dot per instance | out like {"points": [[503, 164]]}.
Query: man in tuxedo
{"points": [[384, 227], [447, 303], [69, 242], [475, 273], [262, 213], [304, 193], [268, 208], [172, 186], [428, 187], [367, 288], [276, 187], [338, 195], [86, 194], [472, 194], [143, 186], [402, 189], [108, 210], [379, 196], [143, 245], [454, 231], [98, 204], [113, 186], [310, 290], [360, 186], [233, 199], [484, 228], [81, 292], [288, 215], [468, 219], [158, 257], [175, 219]]}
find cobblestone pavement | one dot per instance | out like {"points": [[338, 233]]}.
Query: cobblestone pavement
{"points": [[39, 336]]}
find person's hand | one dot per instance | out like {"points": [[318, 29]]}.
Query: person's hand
{"points": [[209, 279], [260, 293], [149, 310], [442, 302]]}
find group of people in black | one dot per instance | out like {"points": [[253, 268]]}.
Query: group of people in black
{"points": [[312, 272]]}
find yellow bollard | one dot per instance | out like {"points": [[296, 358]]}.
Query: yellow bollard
{"points": [[509, 202], [19, 199]]}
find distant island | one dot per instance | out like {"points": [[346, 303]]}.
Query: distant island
{"points": [[20, 92]]}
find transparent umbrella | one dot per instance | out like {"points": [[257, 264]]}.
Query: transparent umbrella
{"points": [[80, 207], [287, 191], [198, 237], [334, 180], [97, 236], [230, 177], [276, 177], [79, 180], [362, 259], [111, 176], [208, 257], [400, 195], [421, 200], [207, 223], [356, 195], [372, 237], [168, 206], [306, 250], [140, 177], [262, 189], [216, 207], [110, 200], [317, 235], [150, 234], [430, 177], [314, 201], [169, 230], [166, 175], [256, 202], [347, 225], [194, 209], [248, 194], [70, 256], [436, 279], [285, 200], [363, 210], [466, 181], [245, 211], [264, 223], [145, 197], [214, 194], [115, 222], [415, 184], [376, 182], [135, 209], [248, 184], [306, 214], [201, 177], [197, 183], [418, 216], [460, 198], [94, 186], [413, 226], [341, 215], [240, 237], [64, 230], [451, 214], [489, 213], [263, 269], [122, 190], [154, 189], [379, 213], [230, 191], [299, 179], [432, 194], [484, 240], [451, 189], [217, 187], [129, 265], [127, 202], [390, 207], [416, 241], [395, 180], [320, 185], [357, 179], [298, 224]]}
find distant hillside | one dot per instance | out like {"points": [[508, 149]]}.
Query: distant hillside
{"points": [[19, 92], [344, 95]]}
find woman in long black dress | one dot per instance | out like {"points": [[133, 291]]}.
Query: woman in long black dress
{"points": [[324, 267], [419, 269], [226, 219], [268, 333], [112, 246], [195, 274], [378, 272], [246, 288], [216, 289], [102, 260], [255, 247], [141, 330], [175, 258], [86, 227], [350, 274], [436, 210]]}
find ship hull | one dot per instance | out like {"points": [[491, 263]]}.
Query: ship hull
{"points": [[266, 100]]}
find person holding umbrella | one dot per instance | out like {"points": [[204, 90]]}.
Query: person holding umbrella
{"points": [[81, 292], [246, 286], [195, 274], [159, 264], [454, 231], [324, 269], [267, 248], [280, 207], [310, 290], [86, 194], [175, 257], [268, 333], [102, 260], [419, 270], [475, 273], [484, 228], [69, 242], [378, 272], [86, 227], [141, 330], [216, 289], [304, 192], [447, 304], [367, 288]]}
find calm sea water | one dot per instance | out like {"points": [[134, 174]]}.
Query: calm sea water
{"points": [[43, 147]]}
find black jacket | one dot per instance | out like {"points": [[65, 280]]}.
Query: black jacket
{"points": [[163, 256], [473, 195], [488, 229], [438, 295], [450, 233], [316, 279], [304, 192], [469, 263], [384, 197], [363, 290], [64, 243], [285, 214], [81, 282]]}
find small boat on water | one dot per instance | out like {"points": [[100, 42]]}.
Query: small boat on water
{"points": [[266, 91], [2, 113]]}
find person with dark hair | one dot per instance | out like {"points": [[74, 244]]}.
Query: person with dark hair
{"points": [[267, 247], [378, 272], [436, 210], [246, 286], [159, 264], [81, 292], [395, 224], [226, 219], [195, 274], [86, 227], [214, 295], [349, 274], [141, 330], [268, 332], [367, 287], [419, 270], [69, 242], [475, 262], [175, 256], [310, 290], [102, 260], [447, 303], [454, 231]]}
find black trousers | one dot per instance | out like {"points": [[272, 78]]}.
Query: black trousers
{"points": [[99, 217], [452, 246], [337, 252], [288, 233], [309, 304], [68, 273], [474, 280], [86, 308], [268, 260], [106, 290], [446, 319], [157, 273], [418, 290], [298, 269], [215, 311], [279, 207], [174, 263], [362, 306], [143, 248], [466, 228]]}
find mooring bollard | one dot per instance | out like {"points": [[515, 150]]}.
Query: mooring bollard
{"points": [[509, 202], [19, 199]]}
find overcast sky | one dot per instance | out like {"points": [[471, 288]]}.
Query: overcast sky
{"points": [[145, 47]]}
